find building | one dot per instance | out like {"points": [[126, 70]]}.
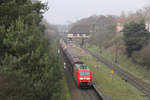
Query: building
{"points": [[79, 33], [119, 27], [147, 26]]}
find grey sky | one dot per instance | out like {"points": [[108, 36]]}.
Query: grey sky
{"points": [[62, 11]]}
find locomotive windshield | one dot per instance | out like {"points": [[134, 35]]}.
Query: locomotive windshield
{"points": [[84, 73]]}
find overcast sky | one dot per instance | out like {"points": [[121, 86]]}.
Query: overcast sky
{"points": [[62, 11]]}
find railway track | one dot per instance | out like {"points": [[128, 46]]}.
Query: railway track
{"points": [[76, 93], [134, 81], [89, 94]]}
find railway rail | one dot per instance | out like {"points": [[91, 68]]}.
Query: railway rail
{"points": [[134, 81], [76, 93], [89, 93]]}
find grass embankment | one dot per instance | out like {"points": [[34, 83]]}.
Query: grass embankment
{"points": [[66, 90], [113, 86], [124, 62]]}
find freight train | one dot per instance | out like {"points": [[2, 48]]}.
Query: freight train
{"points": [[81, 73]]}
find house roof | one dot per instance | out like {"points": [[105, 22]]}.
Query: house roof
{"points": [[81, 29]]}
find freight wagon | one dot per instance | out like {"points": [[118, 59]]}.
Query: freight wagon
{"points": [[81, 73]]}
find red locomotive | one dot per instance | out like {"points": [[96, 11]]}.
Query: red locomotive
{"points": [[81, 73]]}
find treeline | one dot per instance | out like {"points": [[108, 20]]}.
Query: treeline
{"points": [[29, 66], [133, 41], [102, 28], [137, 35]]}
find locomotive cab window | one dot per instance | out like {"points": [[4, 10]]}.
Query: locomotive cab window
{"points": [[84, 73]]}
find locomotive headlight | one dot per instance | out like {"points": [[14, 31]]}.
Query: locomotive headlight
{"points": [[88, 78], [81, 78]]}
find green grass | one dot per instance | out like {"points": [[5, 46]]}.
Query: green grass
{"points": [[112, 85], [66, 90], [125, 63]]}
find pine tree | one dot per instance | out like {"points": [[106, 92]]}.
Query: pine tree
{"points": [[26, 56], [135, 36]]}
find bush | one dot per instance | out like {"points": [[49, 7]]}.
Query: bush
{"points": [[143, 56]]}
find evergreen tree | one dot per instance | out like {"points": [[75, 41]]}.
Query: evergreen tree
{"points": [[26, 56], [135, 36], [11, 10]]}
